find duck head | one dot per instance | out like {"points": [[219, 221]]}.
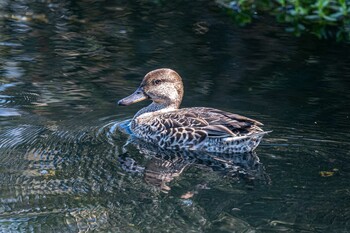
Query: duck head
{"points": [[163, 86]]}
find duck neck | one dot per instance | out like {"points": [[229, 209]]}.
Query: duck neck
{"points": [[155, 107]]}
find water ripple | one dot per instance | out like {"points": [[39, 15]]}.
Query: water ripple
{"points": [[6, 112], [23, 134]]}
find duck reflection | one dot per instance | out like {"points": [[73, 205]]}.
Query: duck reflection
{"points": [[162, 165]]}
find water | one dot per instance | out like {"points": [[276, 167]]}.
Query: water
{"points": [[65, 166]]}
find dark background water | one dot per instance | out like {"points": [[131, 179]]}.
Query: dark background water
{"points": [[63, 163]]}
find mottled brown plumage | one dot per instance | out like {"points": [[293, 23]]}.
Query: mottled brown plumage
{"points": [[198, 128]]}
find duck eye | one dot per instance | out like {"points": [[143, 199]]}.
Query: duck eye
{"points": [[156, 82]]}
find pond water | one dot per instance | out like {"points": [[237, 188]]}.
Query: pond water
{"points": [[65, 166]]}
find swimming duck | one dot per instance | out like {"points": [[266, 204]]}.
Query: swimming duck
{"points": [[164, 124]]}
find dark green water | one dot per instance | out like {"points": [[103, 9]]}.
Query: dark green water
{"points": [[63, 163]]}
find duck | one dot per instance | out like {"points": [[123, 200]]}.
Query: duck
{"points": [[163, 123]]}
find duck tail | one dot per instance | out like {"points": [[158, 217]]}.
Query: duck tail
{"points": [[252, 135], [259, 133]]}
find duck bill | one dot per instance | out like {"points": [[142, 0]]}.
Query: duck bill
{"points": [[135, 97]]}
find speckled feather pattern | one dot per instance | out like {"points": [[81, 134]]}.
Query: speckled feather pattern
{"points": [[205, 129]]}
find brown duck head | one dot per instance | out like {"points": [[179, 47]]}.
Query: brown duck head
{"points": [[162, 86]]}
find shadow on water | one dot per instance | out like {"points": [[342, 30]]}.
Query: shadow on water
{"points": [[163, 166]]}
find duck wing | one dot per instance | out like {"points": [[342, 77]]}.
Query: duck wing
{"points": [[237, 124], [212, 122]]}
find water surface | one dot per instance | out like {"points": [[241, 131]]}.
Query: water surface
{"points": [[65, 166]]}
